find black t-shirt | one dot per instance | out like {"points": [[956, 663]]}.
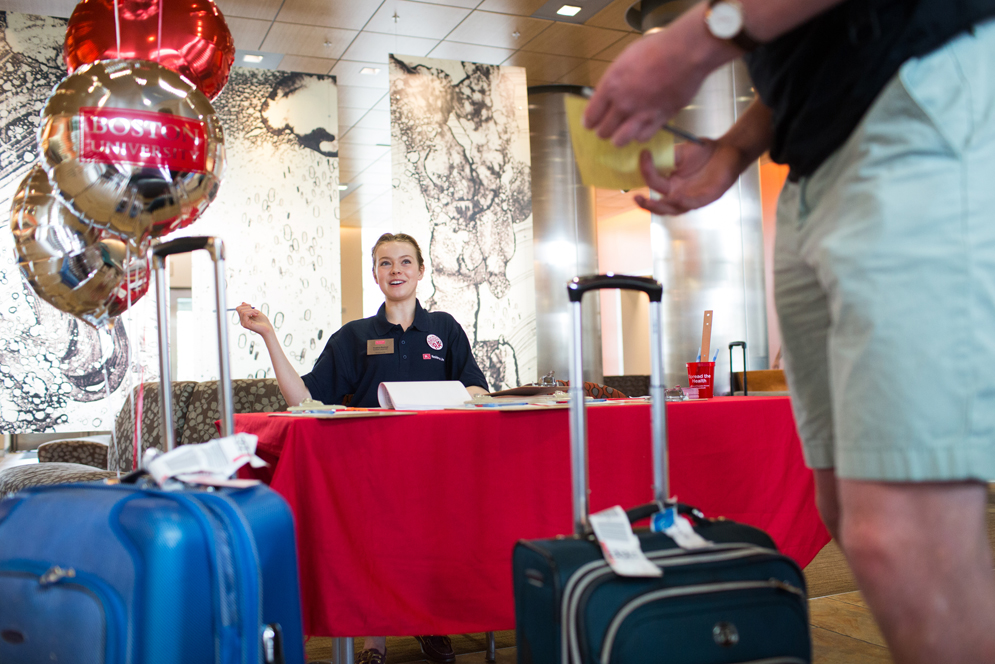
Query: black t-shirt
{"points": [[435, 347], [820, 78]]}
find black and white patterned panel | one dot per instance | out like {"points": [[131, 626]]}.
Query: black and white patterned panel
{"points": [[277, 211], [462, 185]]}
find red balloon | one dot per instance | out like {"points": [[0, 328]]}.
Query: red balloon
{"points": [[196, 42]]}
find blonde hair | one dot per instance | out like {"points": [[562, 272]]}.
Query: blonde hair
{"points": [[397, 237]]}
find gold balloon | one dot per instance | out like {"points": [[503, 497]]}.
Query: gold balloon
{"points": [[74, 266], [132, 147]]}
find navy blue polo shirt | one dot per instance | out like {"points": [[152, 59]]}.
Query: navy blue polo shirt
{"points": [[435, 347]]}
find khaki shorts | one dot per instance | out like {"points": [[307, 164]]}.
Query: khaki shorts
{"points": [[885, 279]]}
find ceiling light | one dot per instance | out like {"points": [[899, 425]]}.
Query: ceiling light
{"points": [[568, 10], [343, 187], [253, 58], [369, 71]]}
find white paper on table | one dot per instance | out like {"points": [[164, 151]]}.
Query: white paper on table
{"points": [[422, 394]]}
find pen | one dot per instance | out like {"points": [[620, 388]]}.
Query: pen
{"points": [[716, 356], [699, 355], [587, 91]]}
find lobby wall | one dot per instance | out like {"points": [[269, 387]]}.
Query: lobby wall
{"points": [[277, 211], [462, 187]]}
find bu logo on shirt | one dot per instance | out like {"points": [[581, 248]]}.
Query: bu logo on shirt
{"points": [[434, 342]]}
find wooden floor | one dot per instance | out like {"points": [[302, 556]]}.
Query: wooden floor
{"points": [[843, 632]]}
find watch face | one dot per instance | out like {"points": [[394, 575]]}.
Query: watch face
{"points": [[725, 20]]}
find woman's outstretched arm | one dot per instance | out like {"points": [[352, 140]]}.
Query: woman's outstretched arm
{"points": [[293, 388]]}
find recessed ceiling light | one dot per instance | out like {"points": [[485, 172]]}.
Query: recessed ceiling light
{"points": [[343, 187], [251, 57], [369, 71], [568, 10]]}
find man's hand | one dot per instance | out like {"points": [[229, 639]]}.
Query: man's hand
{"points": [[702, 174], [642, 90], [658, 75], [654, 78]]}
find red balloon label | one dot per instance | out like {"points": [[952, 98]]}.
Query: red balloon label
{"points": [[118, 136]]}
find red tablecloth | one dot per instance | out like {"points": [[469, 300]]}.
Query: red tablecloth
{"points": [[405, 525]]}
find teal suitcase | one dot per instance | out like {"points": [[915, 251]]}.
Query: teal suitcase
{"points": [[735, 601]]}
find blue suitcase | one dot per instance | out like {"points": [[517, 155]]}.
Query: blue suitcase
{"points": [[121, 573], [128, 573], [735, 601]]}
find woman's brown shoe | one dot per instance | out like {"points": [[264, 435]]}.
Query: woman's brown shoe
{"points": [[437, 648]]}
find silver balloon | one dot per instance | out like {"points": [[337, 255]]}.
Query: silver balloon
{"points": [[76, 267], [133, 147]]}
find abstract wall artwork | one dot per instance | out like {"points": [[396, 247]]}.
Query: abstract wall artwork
{"points": [[56, 372], [462, 186], [277, 211]]}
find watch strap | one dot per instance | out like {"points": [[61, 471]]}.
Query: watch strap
{"points": [[745, 41]]}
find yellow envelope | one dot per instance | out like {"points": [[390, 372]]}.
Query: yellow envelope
{"points": [[602, 164]]}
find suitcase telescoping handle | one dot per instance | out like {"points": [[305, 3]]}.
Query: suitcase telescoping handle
{"points": [[578, 415], [157, 255], [732, 374]]}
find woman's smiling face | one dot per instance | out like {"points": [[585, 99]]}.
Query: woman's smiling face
{"points": [[397, 272]]}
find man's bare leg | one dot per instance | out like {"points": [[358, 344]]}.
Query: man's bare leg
{"points": [[827, 500], [921, 557]]}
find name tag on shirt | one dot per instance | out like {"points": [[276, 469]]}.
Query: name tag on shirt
{"points": [[379, 346]]}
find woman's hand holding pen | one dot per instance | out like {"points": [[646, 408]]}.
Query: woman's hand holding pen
{"points": [[291, 385], [254, 320]]}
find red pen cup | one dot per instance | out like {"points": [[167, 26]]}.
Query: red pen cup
{"points": [[701, 375]]}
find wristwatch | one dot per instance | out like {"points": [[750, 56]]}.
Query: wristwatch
{"points": [[724, 19]]}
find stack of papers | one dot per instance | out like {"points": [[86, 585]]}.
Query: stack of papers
{"points": [[422, 394]]}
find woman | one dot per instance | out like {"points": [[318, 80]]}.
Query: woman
{"points": [[401, 342]]}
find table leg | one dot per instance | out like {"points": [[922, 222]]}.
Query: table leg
{"points": [[342, 650], [491, 648]]}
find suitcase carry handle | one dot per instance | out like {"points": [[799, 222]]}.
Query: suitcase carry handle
{"points": [[647, 510], [157, 255], [580, 285], [578, 414], [183, 245]]}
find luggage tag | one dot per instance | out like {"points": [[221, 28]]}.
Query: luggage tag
{"points": [[620, 545], [678, 528], [218, 459]]}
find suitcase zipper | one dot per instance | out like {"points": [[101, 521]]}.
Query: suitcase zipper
{"points": [[588, 574], [242, 546], [106, 596], [701, 589]]}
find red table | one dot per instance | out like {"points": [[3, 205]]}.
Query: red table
{"points": [[405, 525]]}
